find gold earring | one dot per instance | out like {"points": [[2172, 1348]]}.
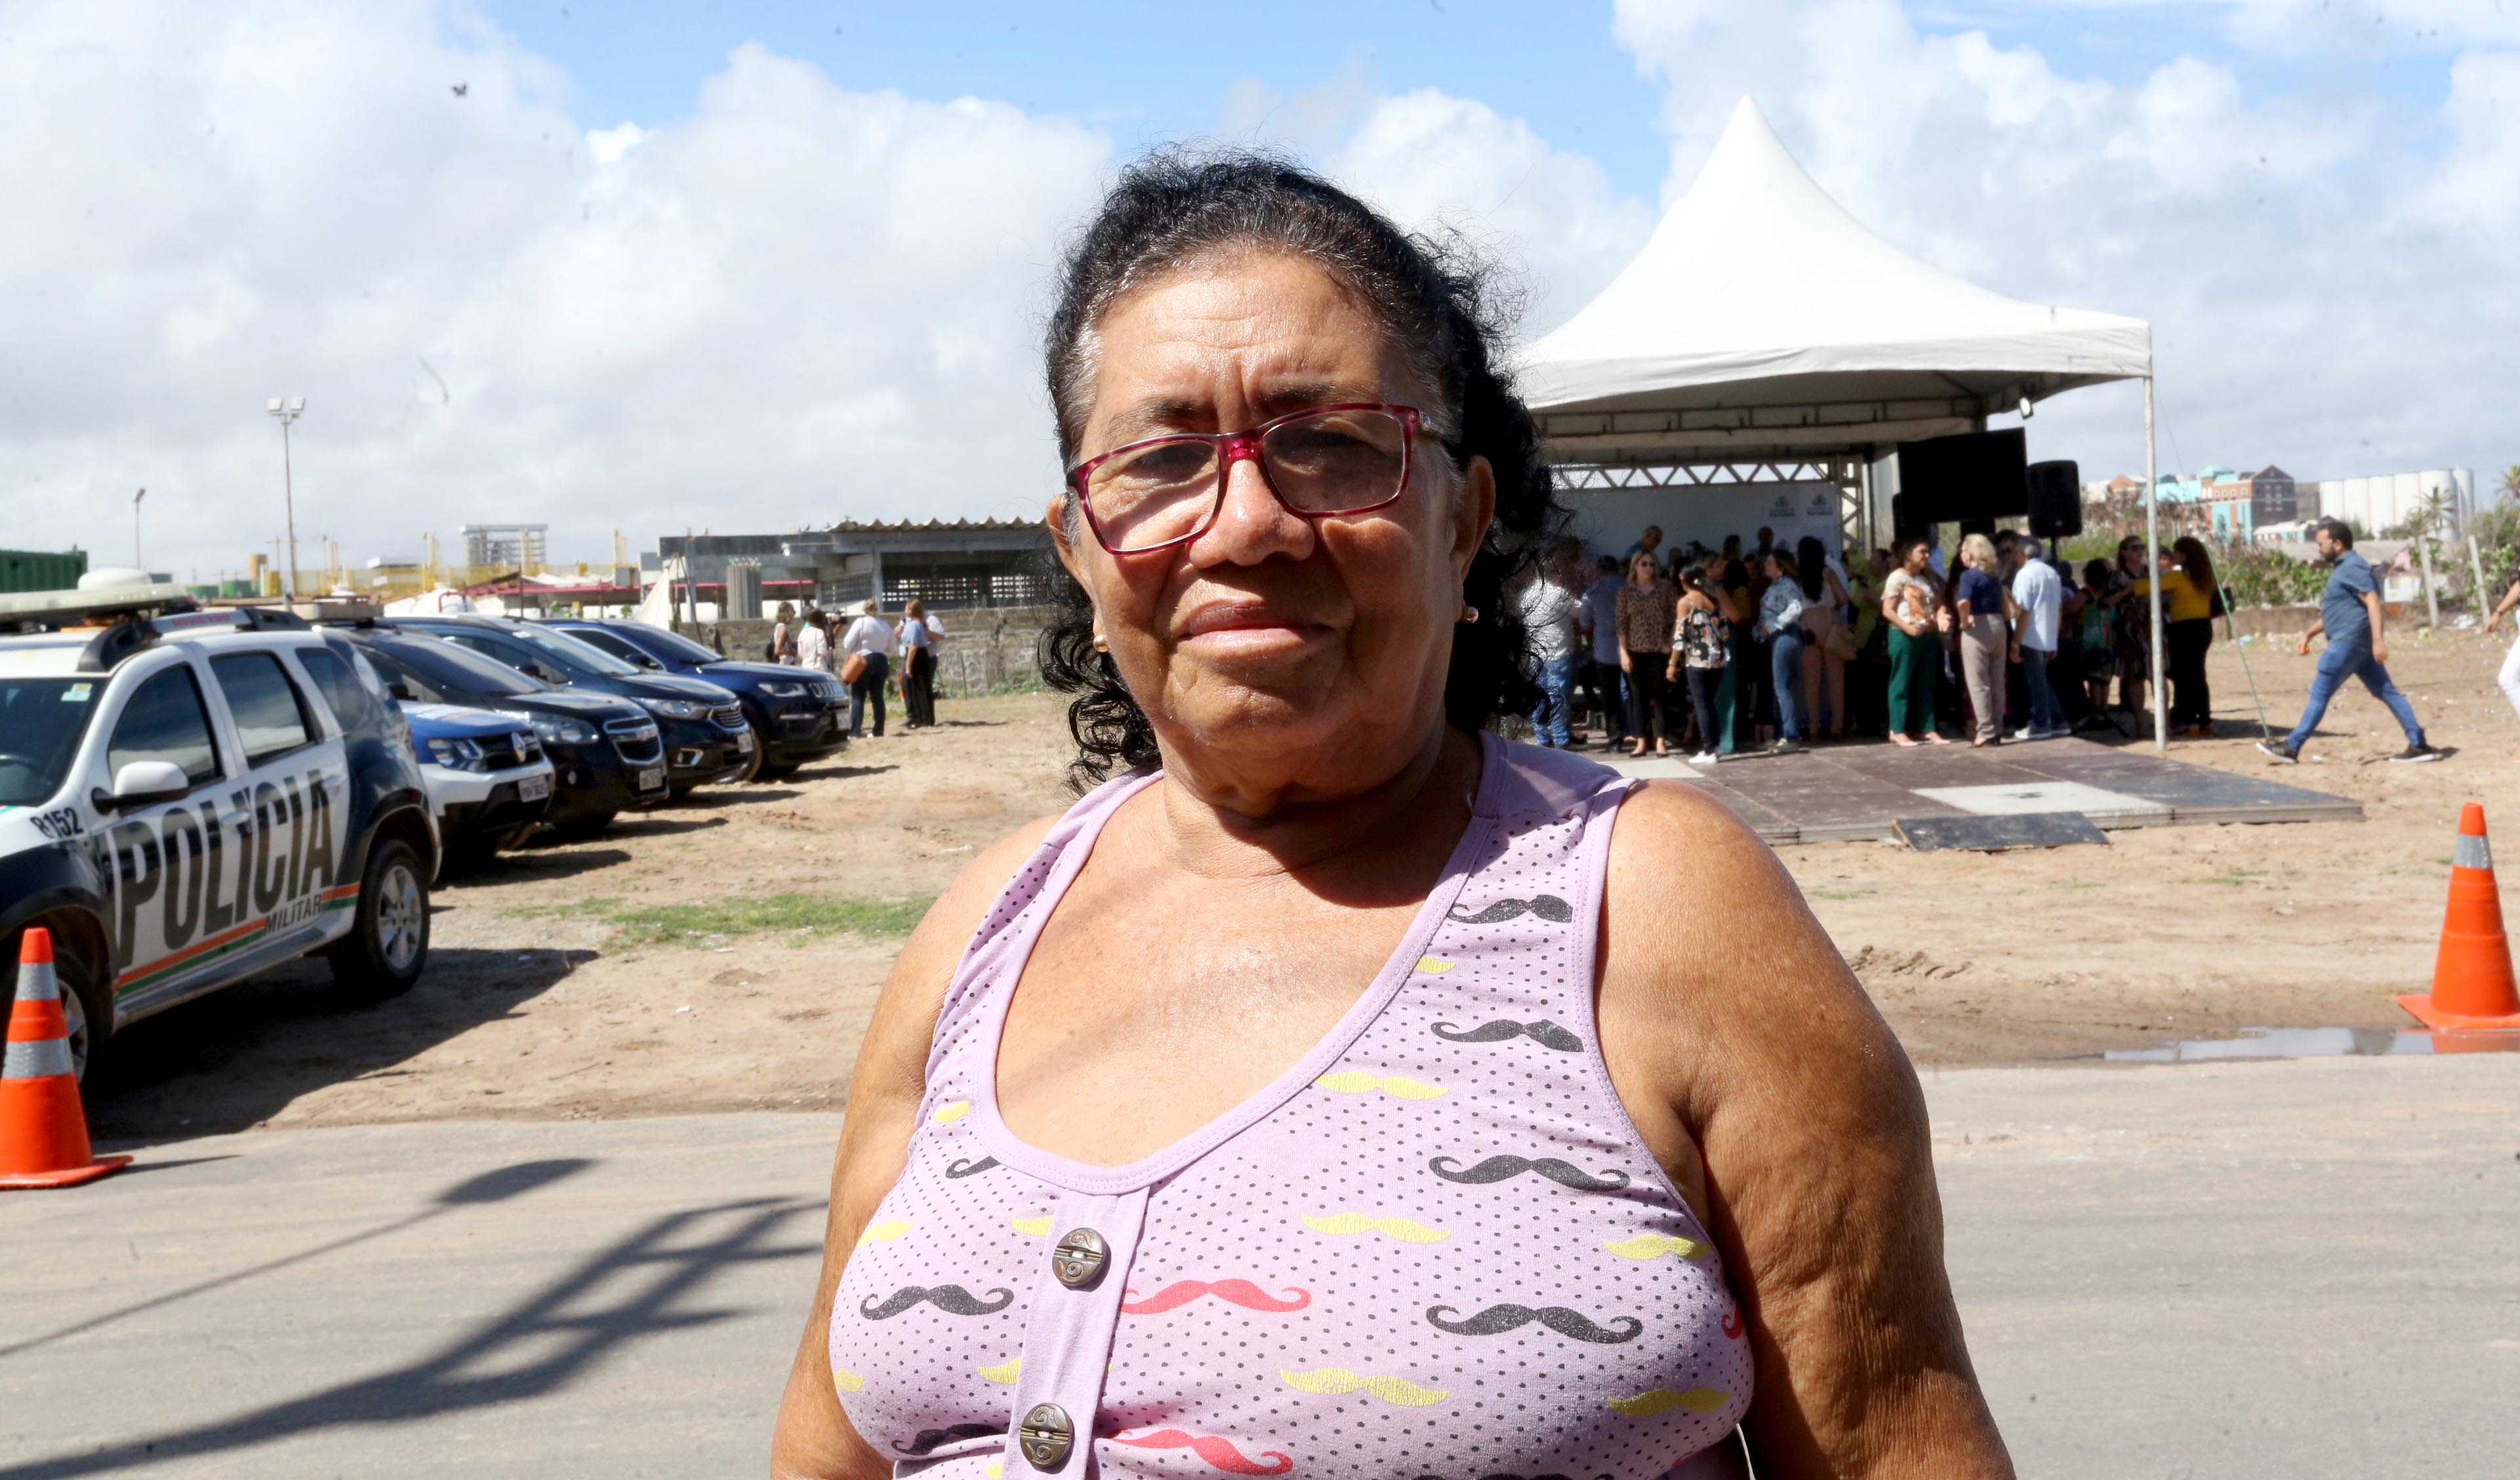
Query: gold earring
{"points": [[1469, 613], [1101, 644]]}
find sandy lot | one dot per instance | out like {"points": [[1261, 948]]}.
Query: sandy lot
{"points": [[557, 990]]}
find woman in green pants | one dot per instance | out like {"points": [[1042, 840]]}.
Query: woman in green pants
{"points": [[1912, 603]]}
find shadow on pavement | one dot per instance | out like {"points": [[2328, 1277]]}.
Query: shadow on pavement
{"points": [[642, 1284], [495, 1185], [233, 1058], [508, 866], [710, 798], [842, 773]]}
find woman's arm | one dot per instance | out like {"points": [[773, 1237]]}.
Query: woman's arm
{"points": [[813, 1439], [1788, 1114]]}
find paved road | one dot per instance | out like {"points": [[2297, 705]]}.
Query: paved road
{"points": [[2304, 1268]]}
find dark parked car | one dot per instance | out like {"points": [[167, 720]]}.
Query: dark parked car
{"points": [[706, 738], [798, 715], [606, 753]]}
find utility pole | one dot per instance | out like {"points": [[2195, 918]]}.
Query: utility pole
{"points": [[289, 412], [135, 532]]}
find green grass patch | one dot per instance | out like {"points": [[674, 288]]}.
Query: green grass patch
{"points": [[799, 917], [2235, 878]]}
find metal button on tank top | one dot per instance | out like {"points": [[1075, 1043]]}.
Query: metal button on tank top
{"points": [[1079, 1258], [1046, 1436]]}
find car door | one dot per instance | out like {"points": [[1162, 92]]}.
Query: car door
{"points": [[298, 886], [167, 868]]}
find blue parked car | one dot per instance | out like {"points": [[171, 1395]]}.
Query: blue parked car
{"points": [[798, 715], [489, 783]]}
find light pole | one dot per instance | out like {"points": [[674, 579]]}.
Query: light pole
{"points": [[288, 412], [135, 529]]}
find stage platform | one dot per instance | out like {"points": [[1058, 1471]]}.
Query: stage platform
{"points": [[1863, 790]]}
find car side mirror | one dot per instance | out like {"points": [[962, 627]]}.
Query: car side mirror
{"points": [[550, 675], [144, 784], [644, 661]]}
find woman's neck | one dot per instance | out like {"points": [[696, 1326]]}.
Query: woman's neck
{"points": [[1222, 834]]}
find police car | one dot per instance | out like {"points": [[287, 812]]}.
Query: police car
{"points": [[488, 780], [189, 797]]}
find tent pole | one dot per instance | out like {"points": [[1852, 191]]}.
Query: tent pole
{"points": [[2152, 558]]}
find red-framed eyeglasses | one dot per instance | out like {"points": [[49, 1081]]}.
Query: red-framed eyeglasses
{"points": [[1320, 463]]}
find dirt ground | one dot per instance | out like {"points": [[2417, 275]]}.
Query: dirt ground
{"points": [[556, 991]]}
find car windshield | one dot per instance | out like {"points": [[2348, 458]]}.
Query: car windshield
{"points": [[570, 650], [675, 645], [448, 672], [41, 721]]}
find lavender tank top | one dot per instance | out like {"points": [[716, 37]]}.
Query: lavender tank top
{"points": [[1434, 1247]]}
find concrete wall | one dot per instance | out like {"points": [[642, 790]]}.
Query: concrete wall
{"points": [[985, 647]]}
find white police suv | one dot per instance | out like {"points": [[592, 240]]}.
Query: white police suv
{"points": [[188, 798]]}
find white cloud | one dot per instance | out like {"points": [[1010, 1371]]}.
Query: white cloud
{"points": [[1549, 218], [796, 304], [2329, 276], [801, 303]]}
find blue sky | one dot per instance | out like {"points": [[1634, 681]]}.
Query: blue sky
{"points": [[808, 265], [1144, 72], [1148, 72]]}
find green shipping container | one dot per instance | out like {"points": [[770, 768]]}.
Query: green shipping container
{"points": [[41, 569]]}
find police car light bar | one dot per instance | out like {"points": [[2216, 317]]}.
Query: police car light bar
{"points": [[62, 608]]}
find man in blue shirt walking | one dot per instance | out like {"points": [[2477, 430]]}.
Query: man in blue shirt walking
{"points": [[2350, 613]]}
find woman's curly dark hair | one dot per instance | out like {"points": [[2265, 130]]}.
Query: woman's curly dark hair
{"points": [[1443, 312]]}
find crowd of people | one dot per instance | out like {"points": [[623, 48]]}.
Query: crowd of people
{"points": [[865, 654], [1763, 647]]}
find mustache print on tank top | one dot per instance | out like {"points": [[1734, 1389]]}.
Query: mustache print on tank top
{"points": [[952, 1299], [1497, 1168], [1548, 907], [1242, 1292], [1545, 1033], [1496, 1320], [932, 1439]]}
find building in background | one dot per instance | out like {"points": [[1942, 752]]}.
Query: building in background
{"points": [[516, 547], [2230, 508], [41, 569], [2387, 501], [968, 562]]}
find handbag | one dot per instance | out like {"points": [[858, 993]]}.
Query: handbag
{"points": [[1840, 644], [854, 669]]}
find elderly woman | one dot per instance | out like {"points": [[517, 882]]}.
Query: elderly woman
{"points": [[1337, 1090]]}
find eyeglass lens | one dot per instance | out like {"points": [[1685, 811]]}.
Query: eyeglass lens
{"points": [[1334, 462]]}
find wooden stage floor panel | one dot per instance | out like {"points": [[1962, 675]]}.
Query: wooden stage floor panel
{"points": [[1862, 790]]}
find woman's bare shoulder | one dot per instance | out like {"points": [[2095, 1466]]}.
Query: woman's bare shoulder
{"points": [[1706, 935]]}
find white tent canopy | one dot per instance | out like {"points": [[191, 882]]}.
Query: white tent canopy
{"points": [[1762, 321], [1763, 325]]}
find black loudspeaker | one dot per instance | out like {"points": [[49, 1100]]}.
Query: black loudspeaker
{"points": [[2056, 500], [1974, 475]]}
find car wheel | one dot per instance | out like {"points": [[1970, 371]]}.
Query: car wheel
{"points": [[753, 767], [388, 941], [468, 855], [776, 773], [578, 830]]}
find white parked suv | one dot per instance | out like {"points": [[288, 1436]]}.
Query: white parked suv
{"points": [[189, 797]]}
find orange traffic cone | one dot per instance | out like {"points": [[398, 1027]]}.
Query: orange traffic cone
{"points": [[43, 1131], [2472, 985]]}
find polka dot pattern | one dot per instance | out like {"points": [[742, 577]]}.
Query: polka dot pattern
{"points": [[1365, 1278]]}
